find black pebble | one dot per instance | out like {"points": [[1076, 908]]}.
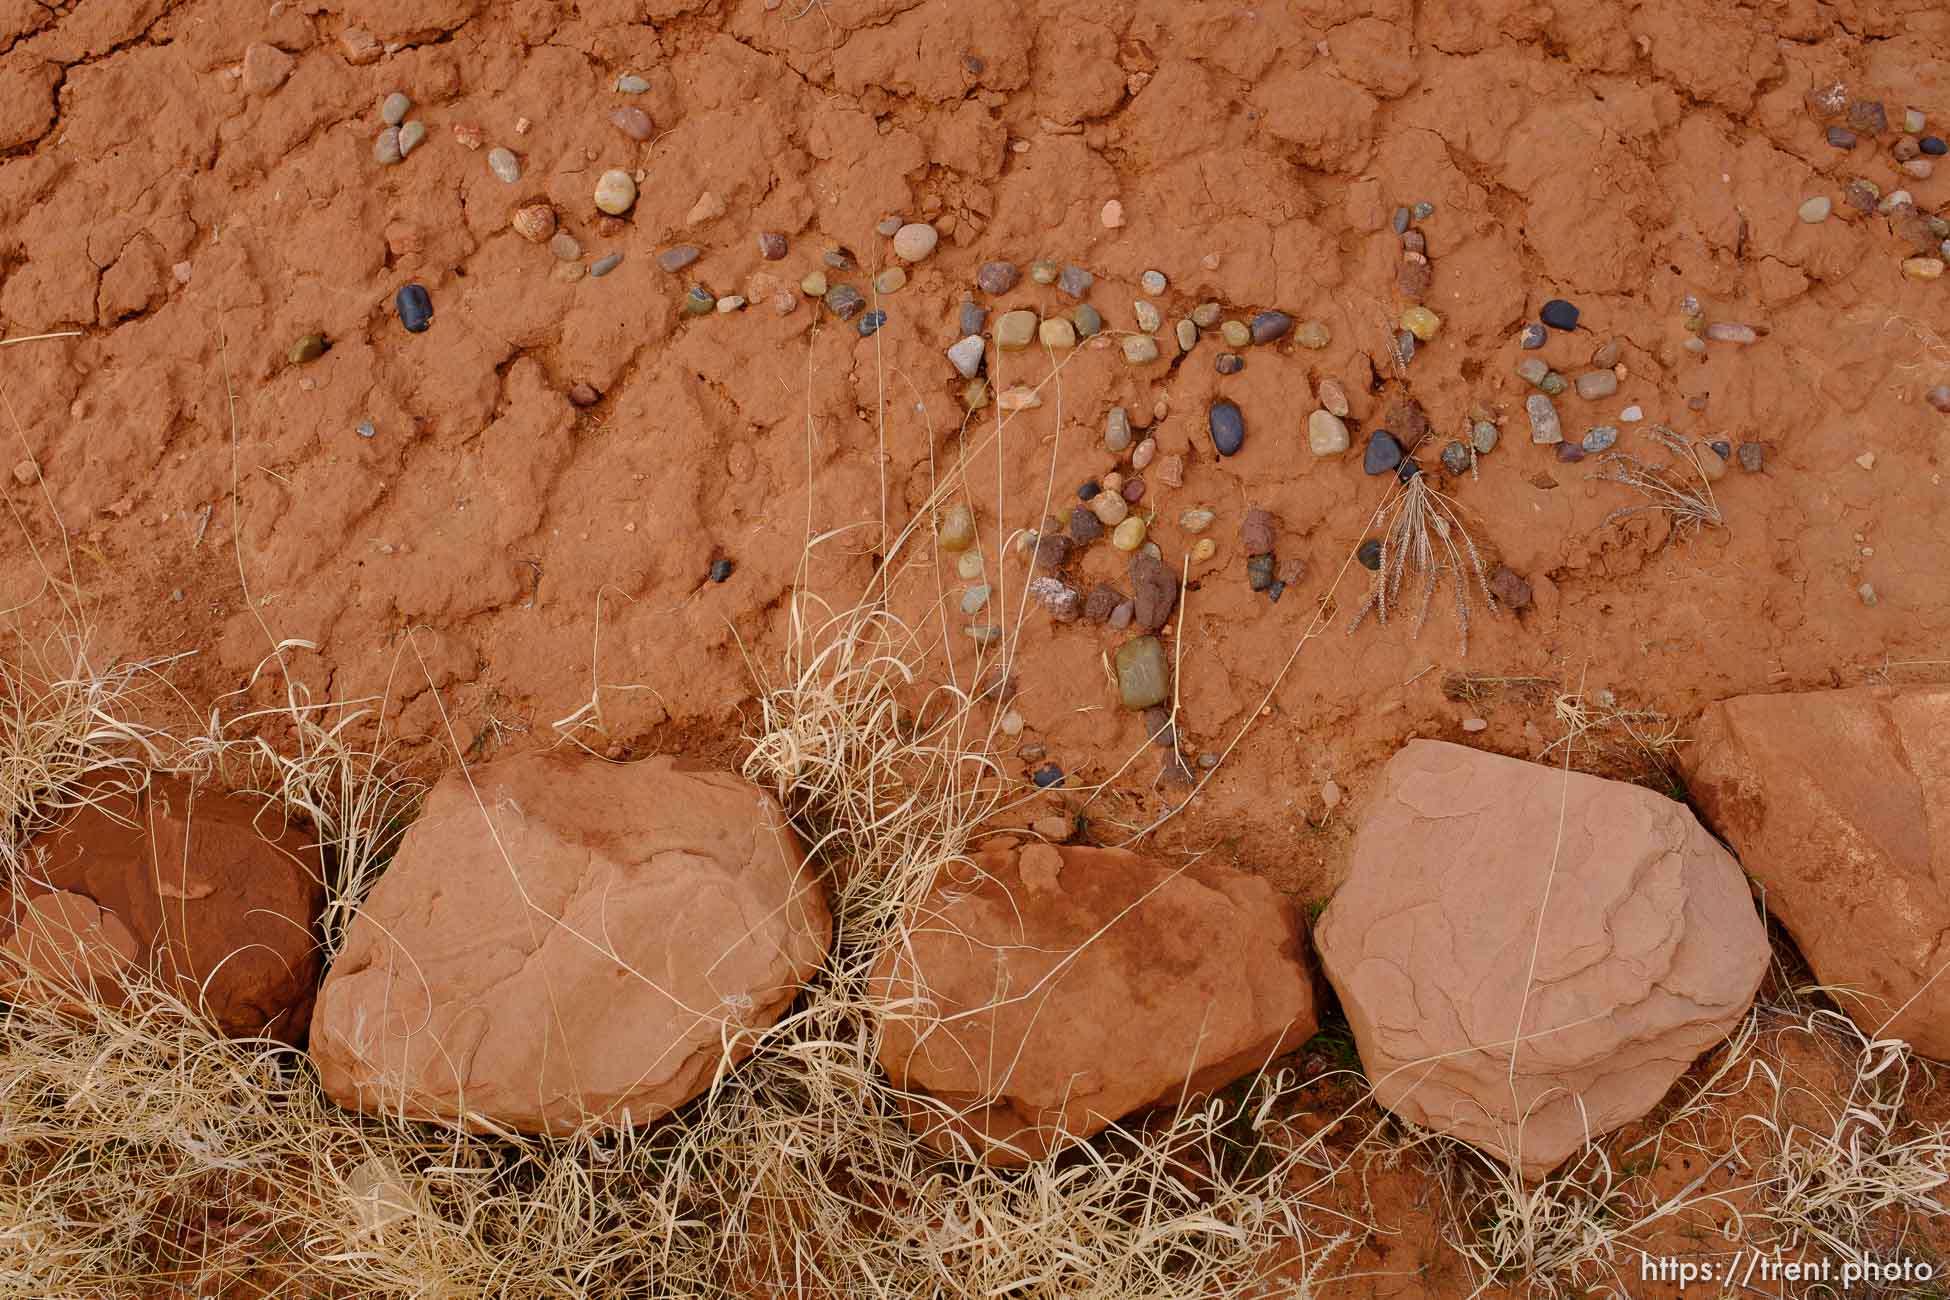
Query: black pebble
{"points": [[415, 308], [1559, 315], [1259, 572], [1933, 145], [1228, 428], [973, 317], [720, 570], [1383, 453], [1047, 775], [1090, 487], [1229, 363], [870, 322], [1274, 592], [1407, 470], [1370, 554], [1724, 448]]}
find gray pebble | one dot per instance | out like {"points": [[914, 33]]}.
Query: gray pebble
{"points": [[889, 226], [604, 265], [505, 166], [1121, 616], [1532, 371], [1087, 319], [676, 259], [837, 259], [1599, 439], [1483, 437], [1532, 337], [967, 355], [1405, 346], [1229, 363], [1207, 314], [1187, 335], [385, 150], [1544, 425], [974, 598], [1075, 281], [394, 107], [972, 318], [844, 301], [1044, 272], [1752, 457], [631, 84], [1147, 315], [410, 137], [1117, 430], [1456, 458], [1422, 211], [1153, 282], [564, 245], [1401, 220]]}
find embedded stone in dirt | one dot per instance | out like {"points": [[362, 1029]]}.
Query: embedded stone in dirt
{"points": [[217, 899], [1838, 802], [567, 939], [1036, 1027], [1648, 949]]}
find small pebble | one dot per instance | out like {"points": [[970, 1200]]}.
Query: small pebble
{"points": [[1816, 210], [1140, 349], [1401, 220], [394, 108], [1075, 281], [1333, 397], [584, 395], [1914, 121], [1314, 334], [997, 277], [974, 598], [1595, 384], [1570, 452], [415, 308], [1229, 363], [1934, 146], [1019, 398], [676, 259], [966, 356], [975, 394], [1014, 330], [699, 301], [1085, 527], [1867, 592], [1112, 215], [1552, 384], [1090, 487], [631, 84], [1145, 450], [1227, 426], [1421, 322], [365, 429], [1482, 436], [1383, 453], [771, 245], [564, 246], [1559, 315], [1752, 457], [1544, 425], [1922, 268], [720, 569], [1148, 319], [1868, 116], [1196, 520], [1631, 415], [1841, 137], [308, 348], [505, 166], [1153, 282], [1055, 332], [971, 318], [915, 241], [1206, 315], [1110, 507], [386, 150], [1270, 327], [1939, 397], [969, 565], [1327, 434], [1204, 549], [1731, 332], [1143, 673], [1532, 337], [1088, 320], [1599, 439], [869, 323], [889, 226], [1259, 572], [1422, 211], [891, 280], [1920, 168], [1046, 776], [1405, 347], [1129, 535], [604, 265], [1369, 555], [1236, 333], [1415, 241], [633, 122], [1117, 430], [615, 192], [1532, 371], [1408, 469], [844, 301], [1257, 532], [1044, 272], [1187, 335], [1456, 458]]}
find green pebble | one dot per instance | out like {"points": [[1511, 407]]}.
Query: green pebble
{"points": [[814, 285], [699, 301], [1236, 333], [1553, 383], [309, 348]]}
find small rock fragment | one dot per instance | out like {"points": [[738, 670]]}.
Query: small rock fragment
{"points": [[1014, 330], [966, 356], [1327, 434], [1599, 438], [1731, 332], [505, 166], [1075, 281], [1509, 587], [1117, 429], [1544, 425], [1596, 384], [1256, 532], [1140, 349], [1270, 327], [415, 308], [1112, 215], [1816, 210], [1383, 453], [1313, 334]]}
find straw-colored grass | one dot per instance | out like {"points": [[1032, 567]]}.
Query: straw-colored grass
{"points": [[1422, 532]]}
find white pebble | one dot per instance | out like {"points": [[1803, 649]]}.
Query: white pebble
{"points": [[1475, 724], [1112, 215], [505, 166], [1153, 282], [915, 241], [1631, 415], [615, 192]]}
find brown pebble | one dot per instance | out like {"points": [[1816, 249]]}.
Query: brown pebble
{"points": [[1408, 422], [1102, 602], [1085, 527], [1510, 588], [1414, 279], [1133, 490], [771, 245], [1157, 591], [1171, 471], [633, 122], [585, 395], [1157, 725], [1256, 532]]}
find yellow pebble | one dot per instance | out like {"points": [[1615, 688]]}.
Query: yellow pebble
{"points": [[1129, 535], [1421, 322], [1204, 549]]}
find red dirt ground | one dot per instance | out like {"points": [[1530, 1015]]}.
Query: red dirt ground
{"points": [[190, 224]]}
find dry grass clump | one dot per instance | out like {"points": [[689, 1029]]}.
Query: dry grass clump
{"points": [[1681, 490], [1422, 532]]}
